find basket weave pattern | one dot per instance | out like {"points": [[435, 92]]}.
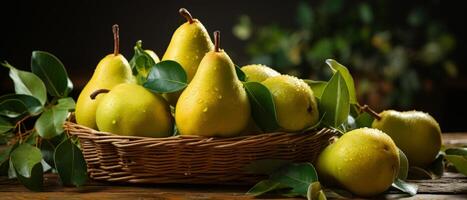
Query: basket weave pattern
{"points": [[189, 159]]}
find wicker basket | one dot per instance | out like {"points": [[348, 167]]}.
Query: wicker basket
{"points": [[194, 160]]}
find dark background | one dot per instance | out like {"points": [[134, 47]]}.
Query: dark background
{"points": [[79, 33]]}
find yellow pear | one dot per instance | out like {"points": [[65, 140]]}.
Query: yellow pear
{"points": [[258, 72], [189, 43], [364, 161], [111, 71], [416, 133], [130, 109], [295, 103], [215, 102]]}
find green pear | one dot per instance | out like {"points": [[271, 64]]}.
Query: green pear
{"points": [[130, 109], [364, 161], [296, 106], [111, 71], [258, 72], [416, 133], [189, 43], [215, 102]]}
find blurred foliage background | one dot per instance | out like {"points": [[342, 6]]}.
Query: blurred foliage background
{"points": [[394, 54], [403, 54]]}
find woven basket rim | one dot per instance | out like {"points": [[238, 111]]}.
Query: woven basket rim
{"points": [[95, 134], [191, 159]]}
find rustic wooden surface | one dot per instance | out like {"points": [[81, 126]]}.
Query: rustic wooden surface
{"points": [[450, 186]]}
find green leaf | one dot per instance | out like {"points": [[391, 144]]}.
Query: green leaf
{"points": [[66, 104], [166, 77], [314, 191], [5, 155], [316, 86], [437, 167], [263, 187], [337, 67], [52, 72], [69, 86], [24, 157], [5, 160], [338, 193], [364, 120], [27, 83], [262, 104], [265, 166], [322, 195], [459, 162], [297, 176], [405, 187], [70, 163], [15, 105], [36, 181], [456, 151], [404, 166], [417, 173], [240, 74], [50, 123], [335, 101], [5, 125], [48, 148], [25, 162], [11, 171], [141, 62]]}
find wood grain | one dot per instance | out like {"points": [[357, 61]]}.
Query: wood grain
{"points": [[450, 186]]}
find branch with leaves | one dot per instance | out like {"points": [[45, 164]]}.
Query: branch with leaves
{"points": [[31, 123]]}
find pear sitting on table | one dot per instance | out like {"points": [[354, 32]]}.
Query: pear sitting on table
{"points": [[416, 133]]}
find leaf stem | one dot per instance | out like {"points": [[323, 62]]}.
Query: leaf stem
{"points": [[115, 30], [184, 12], [367, 109], [97, 92], [217, 40]]}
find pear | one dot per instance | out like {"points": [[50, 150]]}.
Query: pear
{"points": [[111, 71], [258, 72], [130, 109], [189, 43], [364, 161], [416, 133], [215, 102], [296, 106]]}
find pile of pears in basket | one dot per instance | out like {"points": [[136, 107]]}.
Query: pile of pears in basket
{"points": [[215, 103]]}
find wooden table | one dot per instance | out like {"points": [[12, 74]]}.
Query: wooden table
{"points": [[450, 186]]}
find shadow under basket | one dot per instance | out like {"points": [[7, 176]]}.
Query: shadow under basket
{"points": [[191, 159]]}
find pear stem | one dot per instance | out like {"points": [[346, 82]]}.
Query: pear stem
{"points": [[97, 92], [217, 40], [367, 109], [116, 39], [184, 12]]}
